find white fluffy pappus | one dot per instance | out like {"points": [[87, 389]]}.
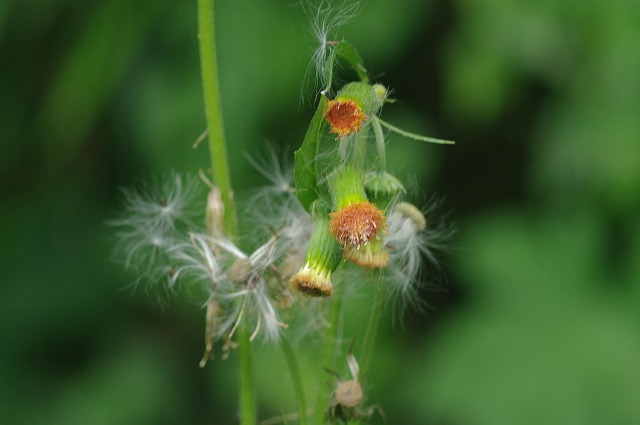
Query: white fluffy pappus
{"points": [[244, 286], [154, 218], [409, 246], [158, 238], [274, 209], [326, 18]]}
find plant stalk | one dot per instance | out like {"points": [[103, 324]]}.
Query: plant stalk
{"points": [[296, 377], [380, 146], [369, 341], [213, 112], [248, 414], [329, 354], [222, 179]]}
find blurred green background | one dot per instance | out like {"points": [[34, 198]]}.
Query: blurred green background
{"points": [[537, 317]]}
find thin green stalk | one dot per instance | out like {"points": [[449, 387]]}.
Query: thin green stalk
{"points": [[380, 146], [329, 353], [296, 377], [213, 112], [248, 414], [369, 341], [222, 179]]}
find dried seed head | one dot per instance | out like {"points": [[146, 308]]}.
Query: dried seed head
{"points": [[349, 393], [345, 116], [215, 213], [356, 224], [240, 270]]}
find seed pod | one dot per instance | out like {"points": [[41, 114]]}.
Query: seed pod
{"points": [[349, 393]]}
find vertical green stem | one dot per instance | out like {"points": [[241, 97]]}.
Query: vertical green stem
{"points": [[329, 354], [296, 377], [222, 179], [213, 112], [368, 343], [248, 414]]}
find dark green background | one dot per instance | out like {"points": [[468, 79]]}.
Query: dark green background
{"points": [[539, 319]]}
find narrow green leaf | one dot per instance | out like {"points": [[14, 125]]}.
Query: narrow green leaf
{"points": [[414, 136], [306, 164], [347, 51]]}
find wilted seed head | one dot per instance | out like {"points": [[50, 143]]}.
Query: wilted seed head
{"points": [[240, 270], [345, 116], [314, 281], [214, 213], [349, 393], [356, 224]]}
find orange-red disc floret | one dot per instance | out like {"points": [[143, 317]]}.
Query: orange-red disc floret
{"points": [[344, 116], [356, 224]]}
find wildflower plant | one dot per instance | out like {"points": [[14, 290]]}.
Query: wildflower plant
{"points": [[337, 209]]}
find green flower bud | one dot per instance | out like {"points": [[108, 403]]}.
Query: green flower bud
{"points": [[383, 188], [381, 93]]}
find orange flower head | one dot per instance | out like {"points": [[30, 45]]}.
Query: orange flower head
{"points": [[345, 116], [356, 224]]}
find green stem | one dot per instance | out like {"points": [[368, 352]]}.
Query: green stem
{"points": [[368, 343], [213, 112], [296, 377], [329, 354], [222, 179], [380, 146], [248, 415]]}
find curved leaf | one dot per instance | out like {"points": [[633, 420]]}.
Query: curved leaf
{"points": [[347, 51], [306, 164]]}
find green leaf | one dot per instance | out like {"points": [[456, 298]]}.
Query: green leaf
{"points": [[347, 51], [306, 164], [414, 136]]}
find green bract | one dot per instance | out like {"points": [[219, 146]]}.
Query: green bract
{"points": [[364, 94]]}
